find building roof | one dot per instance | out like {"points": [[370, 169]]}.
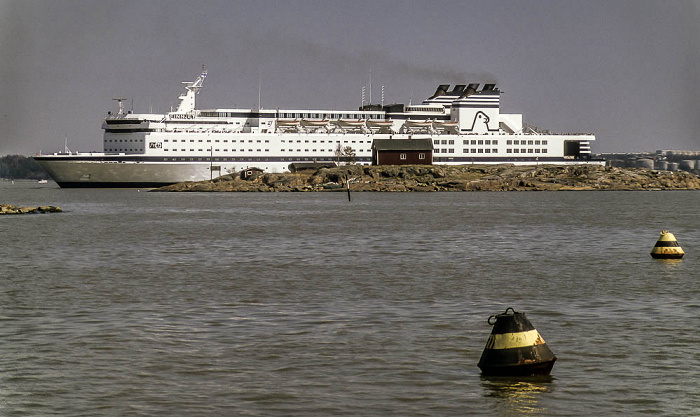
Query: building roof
{"points": [[402, 144]]}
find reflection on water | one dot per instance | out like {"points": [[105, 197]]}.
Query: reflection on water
{"points": [[518, 396]]}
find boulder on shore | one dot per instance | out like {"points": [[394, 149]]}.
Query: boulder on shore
{"points": [[406, 178], [10, 209]]}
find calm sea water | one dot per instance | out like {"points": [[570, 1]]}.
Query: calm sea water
{"points": [[182, 304]]}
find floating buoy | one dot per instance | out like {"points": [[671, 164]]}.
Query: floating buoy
{"points": [[515, 348], [667, 247]]}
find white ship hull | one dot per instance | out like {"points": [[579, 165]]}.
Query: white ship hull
{"points": [[92, 172]]}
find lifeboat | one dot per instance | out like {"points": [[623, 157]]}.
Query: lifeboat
{"points": [[380, 123], [351, 123], [418, 123], [314, 123], [445, 125], [287, 123]]}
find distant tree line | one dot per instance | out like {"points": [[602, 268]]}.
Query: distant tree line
{"points": [[21, 167]]}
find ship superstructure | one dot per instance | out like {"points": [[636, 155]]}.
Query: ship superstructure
{"points": [[464, 124]]}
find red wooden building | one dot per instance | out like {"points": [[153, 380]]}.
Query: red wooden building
{"points": [[402, 152]]}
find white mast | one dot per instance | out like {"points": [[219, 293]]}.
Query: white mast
{"points": [[121, 105], [187, 99]]}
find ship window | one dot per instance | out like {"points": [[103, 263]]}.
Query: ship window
{"points": [[487, 150], [436, 142], [537, 142], [473, 142], [516, 142], [522, 151], [444, 142], [508, 150], [494, 142], [509, 142], [473, 150], [494, 150], [516, 150], [453, 151], [529, 142], [544, 150], [544, 142], [452, 142]]}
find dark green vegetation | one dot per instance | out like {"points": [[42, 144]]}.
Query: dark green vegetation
{"points": [[21, 167]]}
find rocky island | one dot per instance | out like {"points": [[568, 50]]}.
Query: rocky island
{"points": [[404, 178], [10, 209]]}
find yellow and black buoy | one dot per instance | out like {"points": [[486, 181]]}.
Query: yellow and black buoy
{"points": [[515, 348], [667, 247]]}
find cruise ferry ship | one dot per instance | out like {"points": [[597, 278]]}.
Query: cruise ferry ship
{"points": [[464, 123]]}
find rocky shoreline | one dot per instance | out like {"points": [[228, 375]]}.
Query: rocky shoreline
{"points": [[10, 209], [413, 178]]}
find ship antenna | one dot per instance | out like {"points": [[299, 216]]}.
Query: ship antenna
{"points": [[370, 87], [259, 89]]}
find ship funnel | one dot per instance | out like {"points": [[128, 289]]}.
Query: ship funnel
{"points": [[458, 90], [471, 89], [441, 91]]}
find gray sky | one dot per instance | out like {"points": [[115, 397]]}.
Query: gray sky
{"points": [[628, 71]]}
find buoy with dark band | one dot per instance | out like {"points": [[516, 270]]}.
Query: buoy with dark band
{"points": [[515, 348], [667, 247]]}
